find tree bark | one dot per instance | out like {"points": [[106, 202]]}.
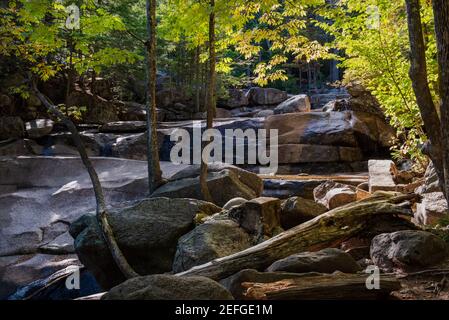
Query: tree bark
{"points": [[210, 98], [418, 75], [154, 169], [197, 79], [441, 17], [335, 286], [101, 210], [69, 76], [327, 230]]}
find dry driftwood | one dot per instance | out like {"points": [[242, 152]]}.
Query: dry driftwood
{"points": [[321, 287], [327, 230]]}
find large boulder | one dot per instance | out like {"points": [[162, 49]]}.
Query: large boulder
{"points": [[98, 109], [342, 129], [297, 210], [358, 98], [266, 96], [11, 128], [299, 103], [432, 208], [208, 241], [132, 111], [354, 105], [130, 146], [319, 100], [407, 250], [225, 182], [147, 232], [324, 261], [38, 128], [431, 181], [168, 287], [237, 99], [362, 100], [381, 174]]}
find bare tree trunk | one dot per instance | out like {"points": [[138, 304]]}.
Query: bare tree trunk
{"points": [[418, 75], [309, 77], [441, 16], [69, 77], [102, 213], [204, 87], [154, 169], [92, 82], [197, 79], [210, 97]]}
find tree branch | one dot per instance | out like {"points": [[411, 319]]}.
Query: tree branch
{"points": [[101, 209]]}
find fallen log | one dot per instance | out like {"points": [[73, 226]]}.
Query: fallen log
{"points": [[326, 230], [336, 286]]}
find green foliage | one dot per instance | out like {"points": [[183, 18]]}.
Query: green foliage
{"points": [[36, 32], [256, 40], [247, 27], [374, 51], [75, 112]]}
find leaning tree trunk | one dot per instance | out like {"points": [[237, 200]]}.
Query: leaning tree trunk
{"points": [[418, 75], [210, 98], [101, 210], [441, 16], [327, 230], [154, 169]]}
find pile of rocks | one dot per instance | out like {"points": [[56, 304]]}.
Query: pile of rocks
{"points": [[50, 230], [42, 197]]}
